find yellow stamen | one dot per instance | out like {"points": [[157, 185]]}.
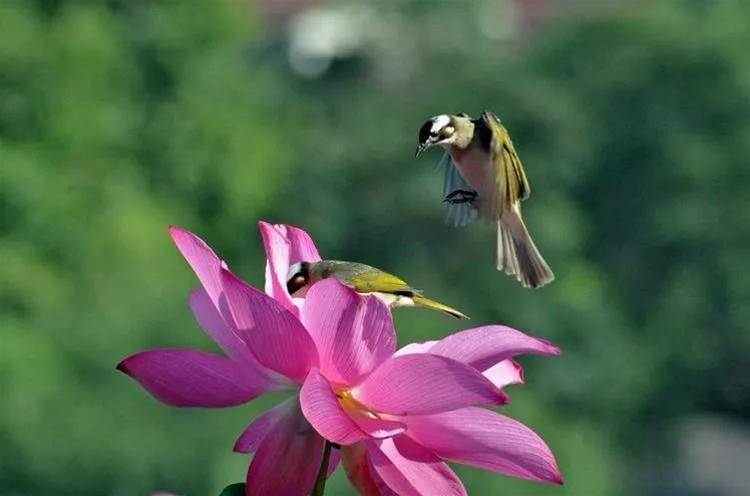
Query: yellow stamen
{"points": [[349, 403]]}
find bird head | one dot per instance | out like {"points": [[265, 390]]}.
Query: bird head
{"points": [[445, 130], [297, 277]]}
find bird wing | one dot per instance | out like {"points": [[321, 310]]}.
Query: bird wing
{"points": [[456, 214], [509, 176], [375, 280]]}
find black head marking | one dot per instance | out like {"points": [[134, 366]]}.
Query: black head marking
{"points": [[298, 279], [424, 132]]}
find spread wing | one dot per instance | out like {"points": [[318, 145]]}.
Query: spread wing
{"points": [[512, 185], [456, 214]]}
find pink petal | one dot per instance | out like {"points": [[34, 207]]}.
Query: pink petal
{"points": [[424, 383], [353, 333], [488, 440], [287, 460], [229, 339], [416, 348], [483, 347], [275, 336], [278, 253], [337, 424], [285, 246], [501, 374], [505, 373], [213, 323], [377, 427], [333, 460], [254, 434], [324, 412], [302, 248], [181, 377], [361, 474], [410, 470], [202, 260]]}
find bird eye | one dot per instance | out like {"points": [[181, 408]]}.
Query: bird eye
{"points": [[433, 133]]}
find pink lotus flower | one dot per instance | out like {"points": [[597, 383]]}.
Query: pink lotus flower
{"points": [[412, 463], [336, 349]]}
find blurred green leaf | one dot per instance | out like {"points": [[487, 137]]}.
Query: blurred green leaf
{"points": [[238, 489]]}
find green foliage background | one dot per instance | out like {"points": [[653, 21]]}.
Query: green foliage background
{"points": [[120, 118]]}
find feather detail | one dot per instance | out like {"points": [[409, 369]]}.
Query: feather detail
{"points": [[421, 301], [517, 254], [364, 279], [456, 214]]}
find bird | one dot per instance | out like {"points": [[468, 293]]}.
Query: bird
{"points": [[484, 178], [364, 279]]}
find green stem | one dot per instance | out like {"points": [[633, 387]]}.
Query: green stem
{"points": [[320, 481]]}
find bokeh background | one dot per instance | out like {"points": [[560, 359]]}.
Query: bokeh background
{"points": [[118, 118]]}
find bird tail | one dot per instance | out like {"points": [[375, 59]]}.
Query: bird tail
{"points": [[517, 254], [421, 301]]}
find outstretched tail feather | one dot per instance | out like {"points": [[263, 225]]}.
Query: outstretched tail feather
{"points": [[421, 301], [506, 252], [517, 254]]}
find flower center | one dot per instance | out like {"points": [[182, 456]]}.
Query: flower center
{"points": [[351, 405]]}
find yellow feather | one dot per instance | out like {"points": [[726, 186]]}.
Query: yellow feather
{"points": [[365, 279], [376, 280], [512, 183], [421, 301]]}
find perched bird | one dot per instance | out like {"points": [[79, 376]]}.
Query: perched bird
{"points": [[364, 279], [485, 178]]}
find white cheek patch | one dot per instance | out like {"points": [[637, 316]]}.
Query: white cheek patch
{"points": [[439, 123], [293, 269]]}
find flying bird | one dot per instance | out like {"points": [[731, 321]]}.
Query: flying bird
{"points": [[484, 178], [364, 279]]}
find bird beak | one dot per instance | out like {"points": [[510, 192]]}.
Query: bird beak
{"points": [[420, 148]]}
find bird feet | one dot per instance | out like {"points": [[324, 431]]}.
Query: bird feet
{"points": [[461, 196]]}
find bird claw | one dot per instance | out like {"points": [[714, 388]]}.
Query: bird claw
{"points": [[460, 196]]}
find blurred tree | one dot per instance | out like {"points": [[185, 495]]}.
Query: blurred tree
{"points": [[114, 123], [633, 129], [119, 118]]}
